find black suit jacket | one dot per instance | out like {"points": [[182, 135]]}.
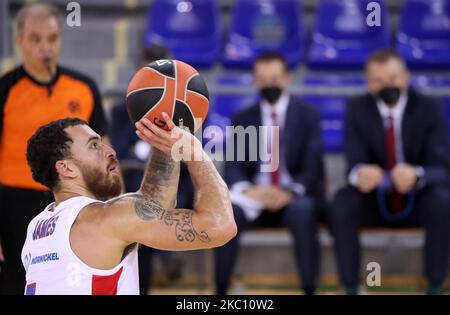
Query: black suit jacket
{"points": [[424, 135], [301, 140]]}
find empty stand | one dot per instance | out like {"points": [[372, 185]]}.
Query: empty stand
{"points": [[342, 38], [258, 26], [189, 28], [424, 35]]}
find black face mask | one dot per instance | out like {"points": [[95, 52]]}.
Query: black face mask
{"points": [[271, 94], [390, 95]]}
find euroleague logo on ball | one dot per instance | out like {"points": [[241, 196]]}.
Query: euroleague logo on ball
{"points": [[162, 62], [170, 86]]}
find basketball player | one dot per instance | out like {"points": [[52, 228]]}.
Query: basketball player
{"points": [[86, 241]]}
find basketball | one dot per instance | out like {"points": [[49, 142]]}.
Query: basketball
{"points": [[170, 86]]}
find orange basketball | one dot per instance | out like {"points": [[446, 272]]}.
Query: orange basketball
{"points": [[169, 86]]}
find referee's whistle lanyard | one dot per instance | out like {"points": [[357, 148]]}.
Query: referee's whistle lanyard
{"points": [[389, 215]]}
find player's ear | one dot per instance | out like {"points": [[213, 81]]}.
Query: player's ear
{"points": [[66, 169]]}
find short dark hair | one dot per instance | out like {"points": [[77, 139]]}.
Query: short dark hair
{"points": [[49, 144], [384, 55], [271, 56], [45, 10], [154, 52]]}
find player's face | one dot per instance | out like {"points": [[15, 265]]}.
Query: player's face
{"points": [[390, 73], [40, 42], [96, 162]]}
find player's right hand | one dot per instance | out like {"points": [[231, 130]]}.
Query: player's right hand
{"points": [[176, 142]]}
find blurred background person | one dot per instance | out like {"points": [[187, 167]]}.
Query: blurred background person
{"points": [[33, 94], [133, 153], [397, 151], [290, 195]]}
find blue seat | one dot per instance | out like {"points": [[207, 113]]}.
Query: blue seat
{"points": [[431, 80], [189, 28], [226, 105], [424, 34], [342, 38], [223, 107], [232, 79], [265, 25], [332, 105], [423, 81], [332, 110]]}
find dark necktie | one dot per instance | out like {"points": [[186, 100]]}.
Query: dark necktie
{"points": [[395, 198], [275, 175]]}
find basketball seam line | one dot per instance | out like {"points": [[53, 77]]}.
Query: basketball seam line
{"points": [[192, 114], [175, 90], [199, 94], [187, 83], [185, 96], [156, 105], [146, 88]]}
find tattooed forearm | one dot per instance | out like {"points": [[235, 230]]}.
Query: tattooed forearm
{"points": [[161, 177], [181, 220], [211, 191], [158, 172]]}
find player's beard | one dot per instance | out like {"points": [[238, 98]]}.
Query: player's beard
{"points": [[102, 183]]}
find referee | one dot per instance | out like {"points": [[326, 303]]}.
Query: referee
{"points": [[35, 93]]}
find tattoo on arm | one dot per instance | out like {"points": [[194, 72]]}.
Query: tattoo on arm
{"points": [[158, 173], [181, 220], [147, 209]]}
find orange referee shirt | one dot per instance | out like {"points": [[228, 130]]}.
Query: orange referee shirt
{"points": [[26, 104]]}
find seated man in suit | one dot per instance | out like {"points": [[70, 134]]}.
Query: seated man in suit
{"points": [[289, 195], [397, 151]]}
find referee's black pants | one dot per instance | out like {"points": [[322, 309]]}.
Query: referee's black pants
{"points": [[17, 208]]}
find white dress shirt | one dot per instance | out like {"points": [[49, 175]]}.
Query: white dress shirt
{"points": [[251, 207]]}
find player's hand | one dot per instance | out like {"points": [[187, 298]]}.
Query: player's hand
{"points": [[369, 177], [404, 177], [177, 142]]}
